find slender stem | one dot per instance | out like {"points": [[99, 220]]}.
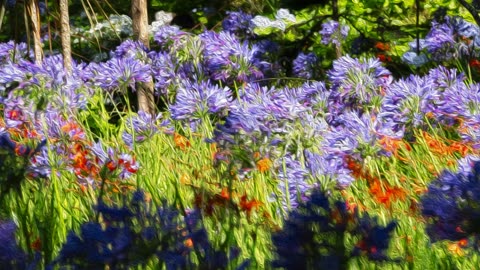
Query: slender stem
{"points": [[417, 23], [335, 10], [2, 12], [471, 9], [102, 188]]}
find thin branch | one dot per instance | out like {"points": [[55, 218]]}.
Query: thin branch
{"points": [[472, 10], [2, 12], [65, 36], [417, 23]]}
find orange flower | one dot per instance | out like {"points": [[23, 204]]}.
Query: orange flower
{"points": [[460, 148], [474, 63], [463, 242], [224, 194], [384, 193], [384, 58], [79, 160], [354, 166], [456, 249], [382, 46], [264, 164], [185, 179], [247, 206], [213, 148], [435, 145], [70, 127], [180, 141], [189, 243], [37, 244], [392, 145]]}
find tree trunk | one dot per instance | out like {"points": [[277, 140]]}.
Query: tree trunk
{"points": [[34, 11], [65, 34], [140, 32]]}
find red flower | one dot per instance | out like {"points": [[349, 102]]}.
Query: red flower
{"points": [[247, 205], [382, 46]]}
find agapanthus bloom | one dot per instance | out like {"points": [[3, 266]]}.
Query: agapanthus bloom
{"points": [[265, 58], [239, 23], [163, 71], [11, 255], [270, 103], [21, 74], [227, 59], [40, 165], [15, 112], [53, 67], [136, 232], [169, 35], [13, 52], [306, 66], [130, 48], [122, 165], [363, 129], [407, 102], [458, 101], [309, 239], [447, 40], [196, 100], [292, 181], [358, 82], [333, 32], [452, 206], [328, 168], [119, 73], [141, 127], [439, 41]]}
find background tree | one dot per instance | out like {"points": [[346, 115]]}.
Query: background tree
{"points": [[33, 15], [65, 34], [140, 32]]}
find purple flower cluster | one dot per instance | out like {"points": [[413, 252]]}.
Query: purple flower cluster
{"points": [[328, 168], [141, 127], [130, 48], [406, 104], [117, 74], [306, 66], [199, 100], [11, 255], [227, 59], [356, 83], [239, 23], [310, 236], [292, 181], [333, 33], [169, 37], [13, 52], [452, 206], [439, 41], [135, 233], [448, 40], [163, 71]]}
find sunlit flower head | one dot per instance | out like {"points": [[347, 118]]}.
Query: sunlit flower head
{"points": [[333, 32]]}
